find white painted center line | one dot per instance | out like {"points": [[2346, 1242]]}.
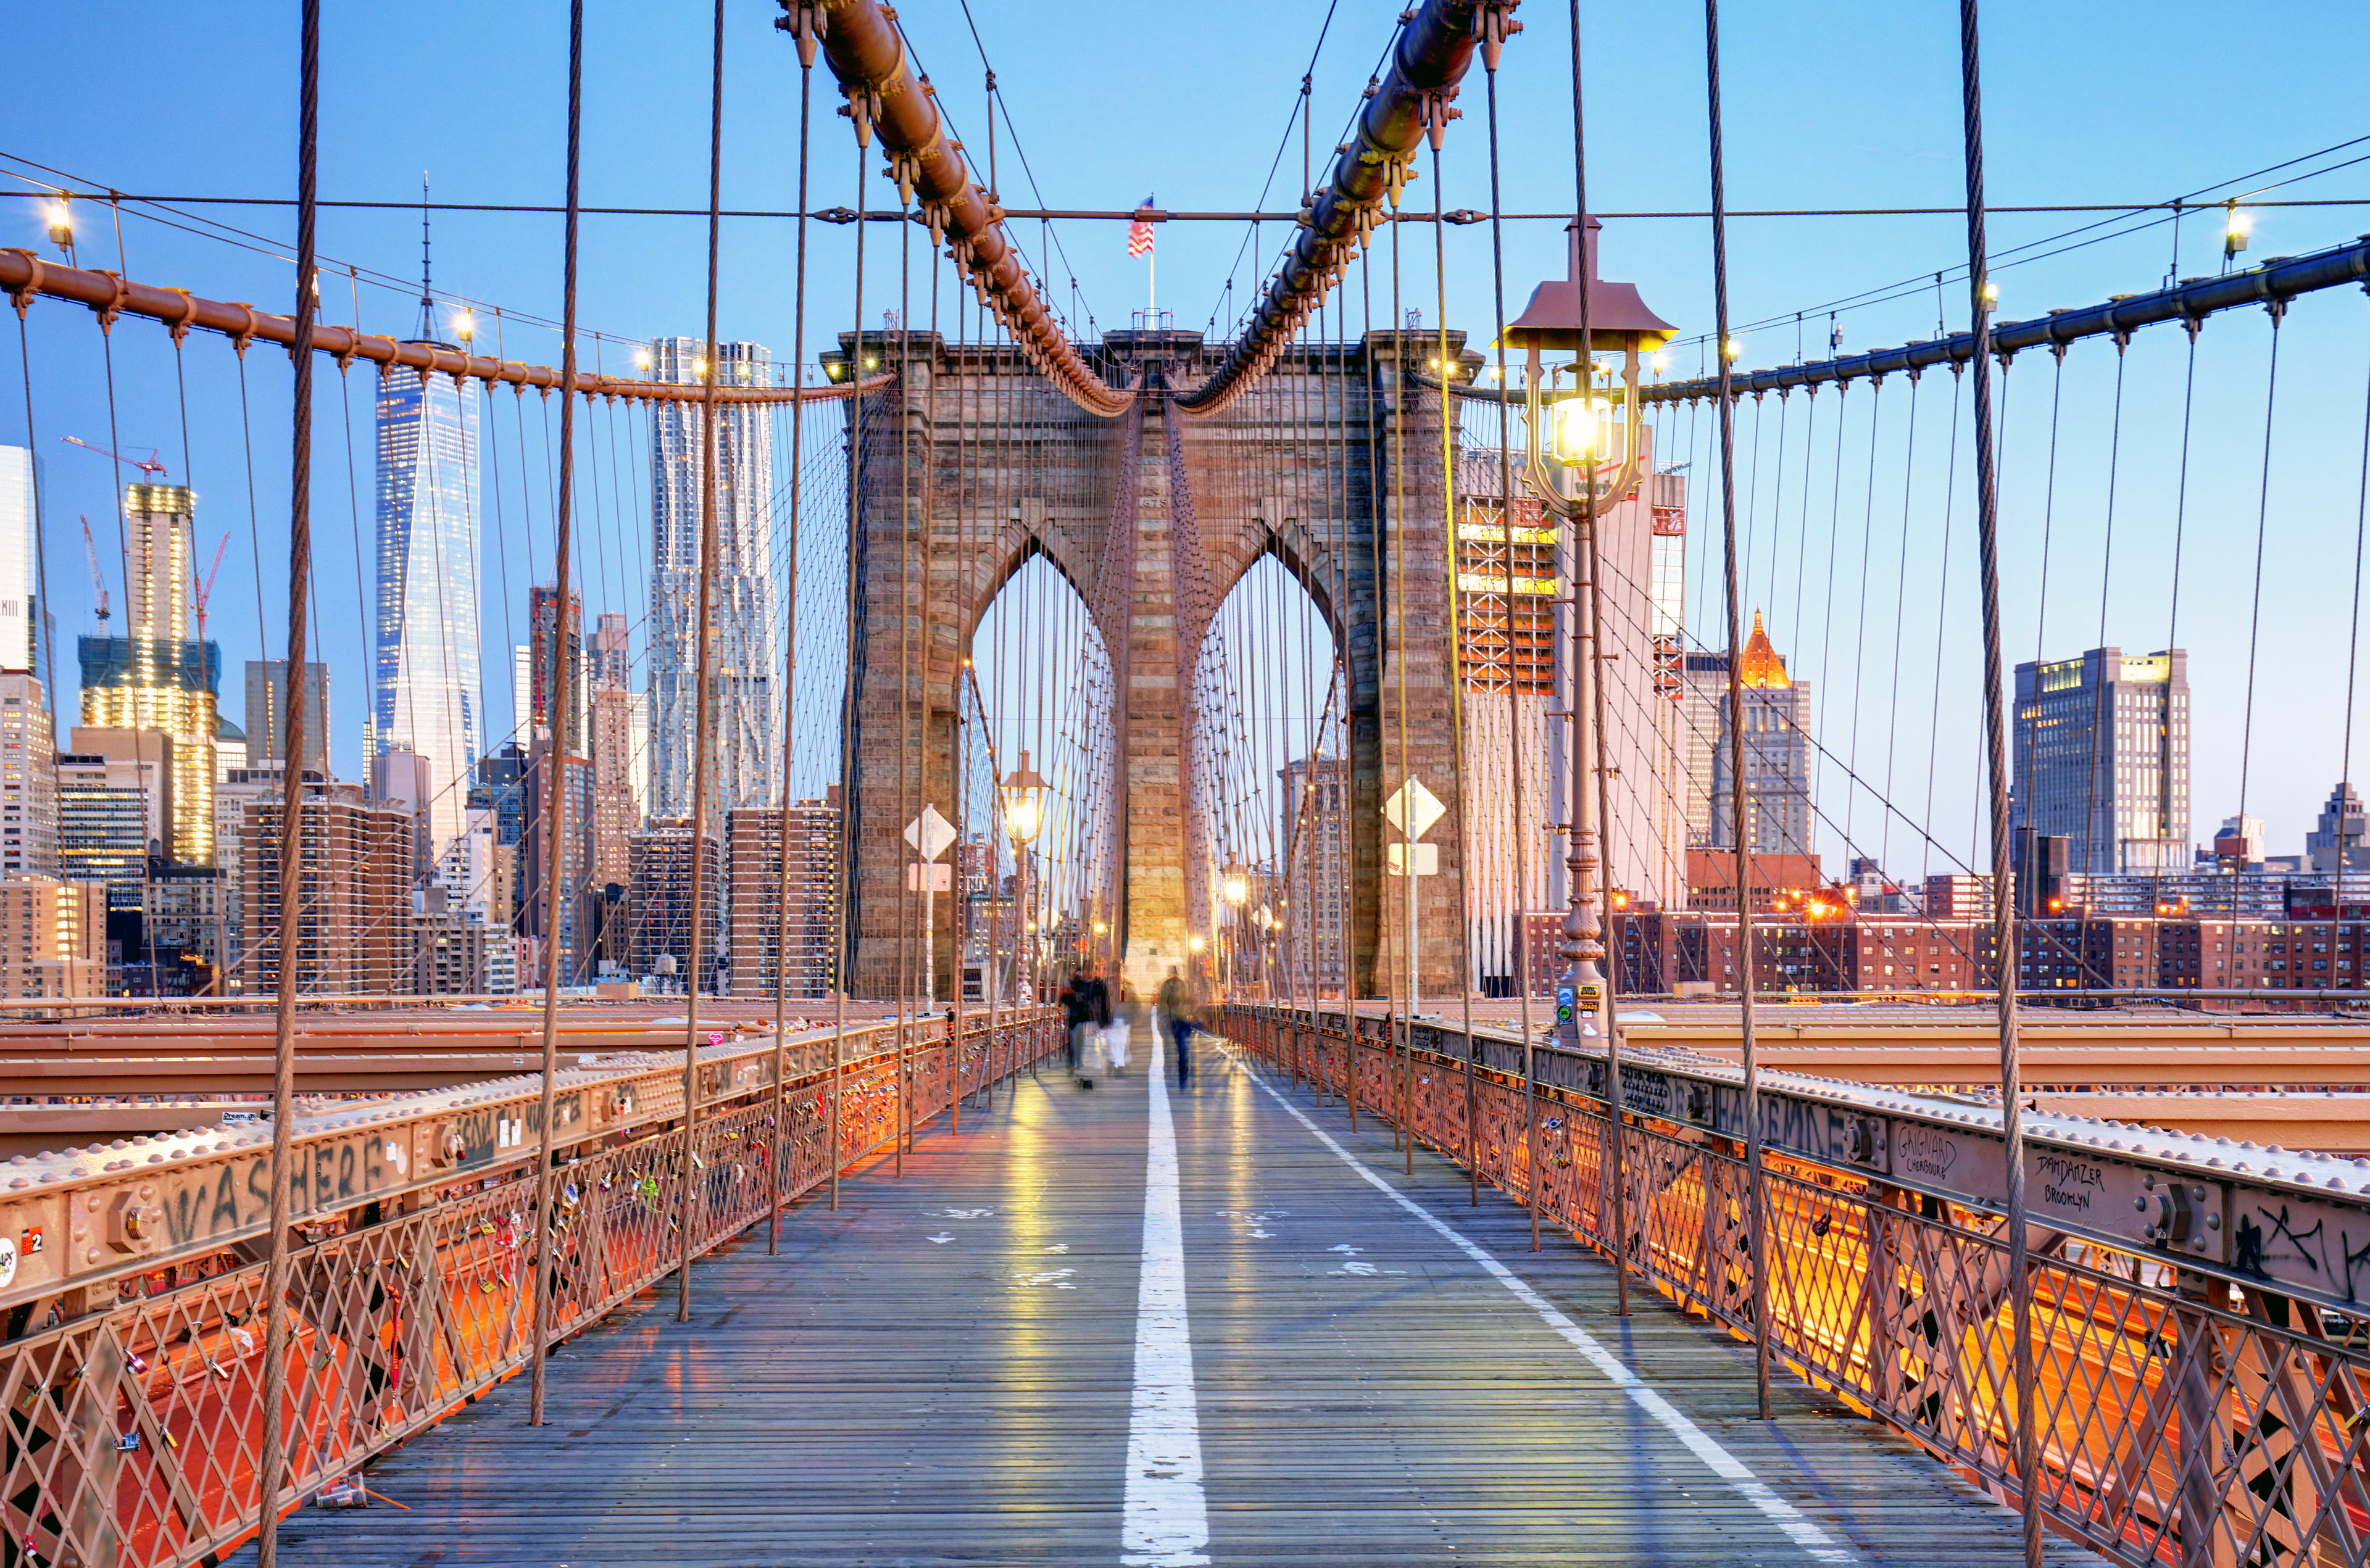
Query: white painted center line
{"points": [[1166, 1522], [1814, 1542]]}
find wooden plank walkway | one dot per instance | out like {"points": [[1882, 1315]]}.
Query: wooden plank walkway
{"points": [[942, 1372]]}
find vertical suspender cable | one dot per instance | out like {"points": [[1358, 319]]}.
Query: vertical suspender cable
{"points": [[687, 1210], [1592, 624], [554, 835], [1449, 418], [2023, 1433], [1493, 43], [1582, 930], [1295, 825], [272, 1466], [1376, 500], [2278, 309], [1403, 1038], [839, 964], [909, 991], [1740, 824], [2352, 654], [958, 910], [804, 25]]}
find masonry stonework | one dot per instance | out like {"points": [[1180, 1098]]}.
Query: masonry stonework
{"points": [[971, 464]]}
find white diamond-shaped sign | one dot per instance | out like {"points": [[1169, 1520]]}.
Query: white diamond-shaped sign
{"points": [[930, 833], [1412, 810]]}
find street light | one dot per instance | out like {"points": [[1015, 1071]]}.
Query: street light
{"points": [[1024, 802], [60, 216], [1586, 430], [2236, 227], [1235, 884], [1617, 321], [465, 325]]}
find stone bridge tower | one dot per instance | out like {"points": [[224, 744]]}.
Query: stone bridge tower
{"points": [[971, 463]]}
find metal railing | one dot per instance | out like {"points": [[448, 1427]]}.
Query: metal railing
{"points": [[133, 1434], [2189, 1412]]}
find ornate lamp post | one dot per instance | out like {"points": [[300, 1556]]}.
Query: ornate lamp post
{"points": [[1235, 888], [1023, 796], [1594, 437], [1583, 313]]}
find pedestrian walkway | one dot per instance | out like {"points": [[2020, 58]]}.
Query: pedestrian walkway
{"points": [[988, 1361]]}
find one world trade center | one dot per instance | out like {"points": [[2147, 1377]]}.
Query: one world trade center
{"points": [[425, 673]]}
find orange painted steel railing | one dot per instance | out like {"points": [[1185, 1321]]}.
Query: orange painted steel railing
{"points": [[133, 1432], [2185, 1420]]}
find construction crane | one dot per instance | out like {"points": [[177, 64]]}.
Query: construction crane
{"points": [[148, 467], [202, 589], [98, 582]]}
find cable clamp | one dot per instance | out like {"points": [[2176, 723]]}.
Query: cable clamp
{"points": [[23, 298], [114, 307], [862, 107], [188, 318], [246, 334]]}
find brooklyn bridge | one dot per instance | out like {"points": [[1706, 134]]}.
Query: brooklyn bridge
{"points": [[999, 936]]}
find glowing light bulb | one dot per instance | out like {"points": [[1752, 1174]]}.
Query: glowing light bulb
{"points": [[2236, 226], [642, 360], [465, 325], [1732, 349]]}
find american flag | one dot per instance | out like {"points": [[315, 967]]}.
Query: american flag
{"points": [[1139, 236]]}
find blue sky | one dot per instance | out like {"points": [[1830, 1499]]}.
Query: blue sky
{"points": [[1838, 106]]}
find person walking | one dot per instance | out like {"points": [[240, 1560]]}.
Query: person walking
{"points": [[1088, 1010], [1078, 1014], [1115, 1032], [1180, 1008]]}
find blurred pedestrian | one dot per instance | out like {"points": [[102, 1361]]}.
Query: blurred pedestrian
{"points": [[1115, 1032], [1089, 1013], [1180, 1006], [1078, 1014]]}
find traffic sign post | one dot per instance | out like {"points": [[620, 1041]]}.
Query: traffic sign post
{"points": [[930, 834]]}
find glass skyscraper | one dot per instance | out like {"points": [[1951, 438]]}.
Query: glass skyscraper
{"points": [[747, 652], [2101, 757], [157, 677], [424, 680]]}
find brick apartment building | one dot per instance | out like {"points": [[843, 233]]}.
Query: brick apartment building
{"points": [[754, 917], [355, 925]]}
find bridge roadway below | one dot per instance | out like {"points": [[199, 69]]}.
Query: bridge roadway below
{"points": [[946, 1370]]}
